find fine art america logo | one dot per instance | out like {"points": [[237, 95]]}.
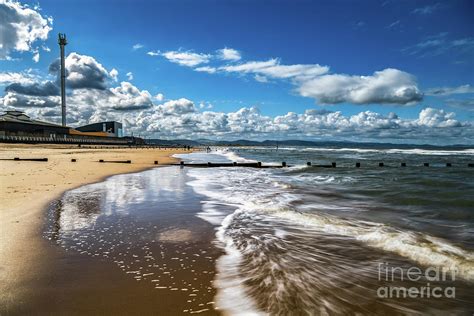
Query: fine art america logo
{"points": [[415, 282]]}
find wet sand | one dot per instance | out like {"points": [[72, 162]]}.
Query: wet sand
{"points": [[26, 189], [125, 246]]}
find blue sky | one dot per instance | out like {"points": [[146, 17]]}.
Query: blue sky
{"points": [[429, 43]]}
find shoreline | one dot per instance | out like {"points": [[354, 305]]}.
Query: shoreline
{"points": [[29, 188]]}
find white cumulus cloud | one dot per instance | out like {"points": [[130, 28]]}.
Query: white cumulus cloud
{"points": [[272, 68], [153, 53], [86, 101], [437, 118], [20, 27], [207, 69], [159, 97], [186, 58], [24, 77], [84, 72], [229, 54], [114, 74], [389, 86], [127, 97]]}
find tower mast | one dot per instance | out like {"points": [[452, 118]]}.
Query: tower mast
{"points": [[62, 42]]}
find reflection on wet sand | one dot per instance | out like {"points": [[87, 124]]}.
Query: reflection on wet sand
{"points": [[145, 225], [175, 235]]}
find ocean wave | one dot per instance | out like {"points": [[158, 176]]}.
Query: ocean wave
{"points": [[232, 297], [414, 151], [309, 178], [411, 151], [421, 248], [256, 192], [217, 156], [232, 156]]}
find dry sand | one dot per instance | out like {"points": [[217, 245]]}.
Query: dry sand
{"points": [[28, 187]]}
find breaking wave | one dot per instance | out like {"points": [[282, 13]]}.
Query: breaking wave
{"points": [[278, 243]]}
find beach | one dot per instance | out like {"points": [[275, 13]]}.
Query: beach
{"points": [[27, 189]]}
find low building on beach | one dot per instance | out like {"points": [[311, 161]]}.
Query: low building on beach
{"points": [[16, 126], [111, 129], [17, 123]]}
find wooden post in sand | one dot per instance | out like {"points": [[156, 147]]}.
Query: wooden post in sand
{"points": [[73, 160], [156, 162], [29, 159]]}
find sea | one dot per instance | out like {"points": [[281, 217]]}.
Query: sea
{"points": [[305, 239]]}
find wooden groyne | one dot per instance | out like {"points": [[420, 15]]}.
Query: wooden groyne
{"points": [[309, 164], [115, 161], [25, 159], [229, 164], [259, 164]]}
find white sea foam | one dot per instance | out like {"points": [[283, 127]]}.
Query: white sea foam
{"points": [[414, 151], [211, 213], [232, 297], [411, 151], [218, 156], [232, 156]]}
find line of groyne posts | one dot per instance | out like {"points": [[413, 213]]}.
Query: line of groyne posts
{"points": [[308, 164], [247, 164], [380, 164]]}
